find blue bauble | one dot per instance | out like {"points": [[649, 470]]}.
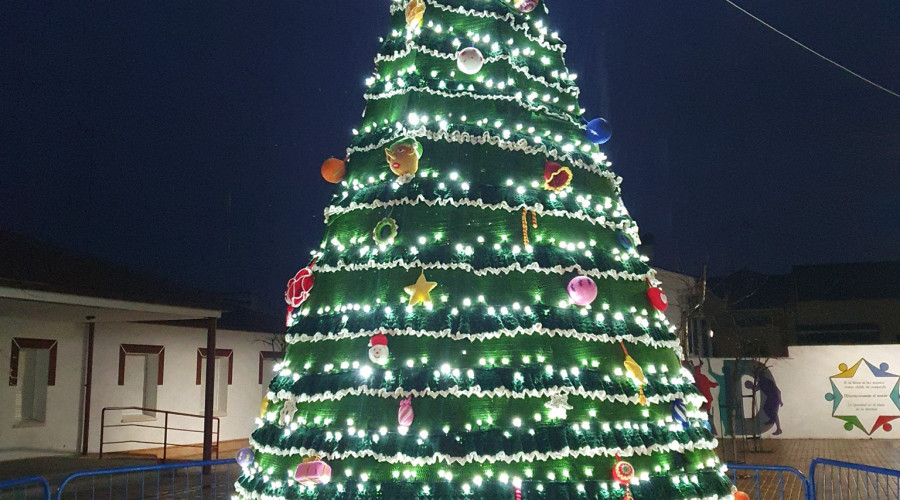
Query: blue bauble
{"points": [[598, 131], [245, 457], [679, 412]]}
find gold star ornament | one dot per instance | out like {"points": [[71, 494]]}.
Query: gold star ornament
{"points": [[420, 291]]}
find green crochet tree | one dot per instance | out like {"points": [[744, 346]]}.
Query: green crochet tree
{"points": [[477, 322]]}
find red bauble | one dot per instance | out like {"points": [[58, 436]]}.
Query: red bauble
{"points": [[299, 286], [740, 495], [658, 298], [556, 176], [333, 170]]}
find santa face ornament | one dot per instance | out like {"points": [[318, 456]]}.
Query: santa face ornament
{"points": [[378, 349]]}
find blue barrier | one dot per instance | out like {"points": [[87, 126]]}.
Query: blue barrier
{"points": [[848, 480], [202, 480], [213, 480], [8, 489], [768, 482]]}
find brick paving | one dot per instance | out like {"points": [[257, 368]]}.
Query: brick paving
{"points": [[799, 453]]}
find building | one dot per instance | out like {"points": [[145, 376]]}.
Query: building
{"points": [[82, 337], [759, 316]]}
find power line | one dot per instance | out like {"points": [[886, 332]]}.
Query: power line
{"points": [[848, 70]]}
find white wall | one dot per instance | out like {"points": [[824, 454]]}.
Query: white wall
{"points": [[60, 432], [179, 391], [804, 379]]}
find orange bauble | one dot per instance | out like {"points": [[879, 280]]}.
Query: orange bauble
{"points": [[333, 170], [740, 495]]}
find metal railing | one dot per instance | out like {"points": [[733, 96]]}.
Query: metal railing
{"points": [[764, 482], [148, 425], [210, 480], [25, 488], [839, 480]]}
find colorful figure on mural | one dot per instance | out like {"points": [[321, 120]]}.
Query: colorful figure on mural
{"points": [[867, 398], [704, 384], [765, 395], [772, 399]]}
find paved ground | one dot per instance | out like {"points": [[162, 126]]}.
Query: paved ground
{"points": [[796, 453]]}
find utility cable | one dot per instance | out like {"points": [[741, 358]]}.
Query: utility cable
{"points": [[848, 70]]}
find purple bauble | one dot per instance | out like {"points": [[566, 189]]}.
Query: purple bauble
{"points": [[582, 290], [244, 457], [526, 5]]}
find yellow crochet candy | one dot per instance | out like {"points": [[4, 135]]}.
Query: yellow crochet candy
{"points": [[415, 11]]}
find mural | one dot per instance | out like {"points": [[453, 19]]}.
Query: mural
{"points": [[865, 396], [747, 389]]}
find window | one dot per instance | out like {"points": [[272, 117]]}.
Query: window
{"points": [[32, 368], [224, 372], [141, 370]]}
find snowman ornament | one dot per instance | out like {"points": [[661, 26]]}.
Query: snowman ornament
{"points": [[378, 349]]}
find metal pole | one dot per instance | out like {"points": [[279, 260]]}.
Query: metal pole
{"points": [[102, 427], [210, 391], [88, 383], [166, 437]]}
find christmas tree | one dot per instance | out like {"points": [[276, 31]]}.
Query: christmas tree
{"points": [[478, 322]]}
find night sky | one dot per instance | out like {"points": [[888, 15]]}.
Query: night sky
{"points": [[185, 138]]}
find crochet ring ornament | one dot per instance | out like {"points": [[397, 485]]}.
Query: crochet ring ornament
{"points": [[385, 231], [299, 286], [623, 473]]}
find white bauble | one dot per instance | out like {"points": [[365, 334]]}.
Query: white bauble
{"points": [[469, 60]]}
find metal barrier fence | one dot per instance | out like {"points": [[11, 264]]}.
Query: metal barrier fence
{"points": [[769, 482], [25, 489], [211, 480], [839, 480]]}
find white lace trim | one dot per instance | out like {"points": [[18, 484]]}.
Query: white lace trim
{"points": [[508, 18], [486, 137], [538, 208], [496, 271], [478, 392], [532, 456], [537, 329], [572, 90], [442, 93]]}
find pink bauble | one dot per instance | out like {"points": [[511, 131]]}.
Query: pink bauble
{"points": [[469, 60], [582, 290], [405, 414]]}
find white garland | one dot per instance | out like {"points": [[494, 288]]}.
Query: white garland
{"points": [[522, 145], [537, 329], [573, 90], [478, 392], [532, 456], [243, 493], [538, 208], [495, 271], [508, 18], [530, 107]]}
